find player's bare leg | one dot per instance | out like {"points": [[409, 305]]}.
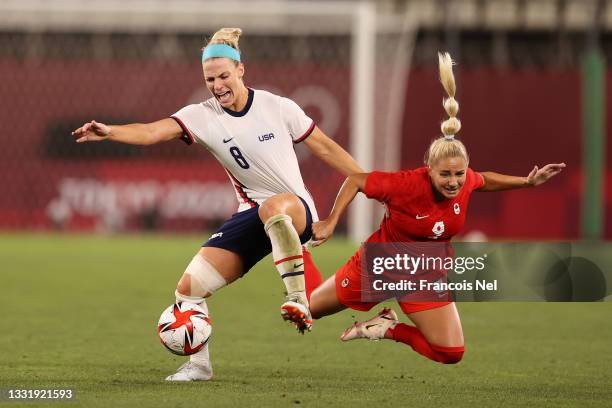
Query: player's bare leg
{"points": [[284, 218], [440, 326], [438, 334], [209, 270], [324, 301]]}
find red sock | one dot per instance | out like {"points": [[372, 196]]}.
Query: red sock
{"points": [[312, 276], [413, 337]]}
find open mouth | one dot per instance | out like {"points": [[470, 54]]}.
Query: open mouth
{"points": [[451, 191], [224, 97]]}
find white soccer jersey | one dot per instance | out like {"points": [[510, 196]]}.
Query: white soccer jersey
{"points": [[255, 145]]}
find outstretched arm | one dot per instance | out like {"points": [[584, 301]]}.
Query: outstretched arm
{"points": [[331, 153], [501, 182], [135, 133], [323, 230]]}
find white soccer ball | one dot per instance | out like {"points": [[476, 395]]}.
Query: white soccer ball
{"points": [[184, 328]]}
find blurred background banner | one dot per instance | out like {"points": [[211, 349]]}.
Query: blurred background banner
{"points": [[532, 87]]}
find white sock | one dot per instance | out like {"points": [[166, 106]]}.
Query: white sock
{"points": [[202, 357], [287, 254]]}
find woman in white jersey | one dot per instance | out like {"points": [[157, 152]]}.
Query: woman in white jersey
{"points": [[251, 133]]}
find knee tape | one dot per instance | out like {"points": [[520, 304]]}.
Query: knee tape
{"points": [[204, 277]]}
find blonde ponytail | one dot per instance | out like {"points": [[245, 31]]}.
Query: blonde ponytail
{"points": [[228, 36], [447, 146], [452, 125]]}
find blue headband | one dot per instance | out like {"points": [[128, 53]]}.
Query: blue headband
{"points": [[220, 51]]}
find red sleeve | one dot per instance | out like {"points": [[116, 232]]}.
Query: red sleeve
{"points": [[475, 180], [382, 186]]}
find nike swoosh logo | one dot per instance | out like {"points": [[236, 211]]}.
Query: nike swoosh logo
{"points": [[370, 325], [420, 217], [297, 266], [225, 141]]}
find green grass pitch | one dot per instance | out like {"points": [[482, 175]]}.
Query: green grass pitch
{"points": [[81, 312]]}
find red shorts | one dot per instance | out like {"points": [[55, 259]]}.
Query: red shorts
{"points": [[350, 292]]}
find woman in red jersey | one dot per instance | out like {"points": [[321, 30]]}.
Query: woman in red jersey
{"points": [[425, 204]]}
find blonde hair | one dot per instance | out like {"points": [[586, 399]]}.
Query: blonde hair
{"points": [[227, 36], [447, 146]]}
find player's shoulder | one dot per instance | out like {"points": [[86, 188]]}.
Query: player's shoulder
{"points": [[267, 101], [406, 183], [209, 106], [412, 176], [262, 96], [470, 172], [420, 173], [414, 185], [262, 93], [474, 178], [400, 176], [269, 98]]}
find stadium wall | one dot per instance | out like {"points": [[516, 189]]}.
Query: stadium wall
{"points": [[512, 119]]}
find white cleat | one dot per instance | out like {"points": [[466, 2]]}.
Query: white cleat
{"points": [[295, 310], [191, 371], [373, 329]]}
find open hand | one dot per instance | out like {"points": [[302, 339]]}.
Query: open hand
{"points": [[540, 176], [92, 132]]}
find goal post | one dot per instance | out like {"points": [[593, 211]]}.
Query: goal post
{"points": [[363, 62]]}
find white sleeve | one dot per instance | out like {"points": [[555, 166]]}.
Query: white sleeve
{"points": [[187, 118], [299, 124]]}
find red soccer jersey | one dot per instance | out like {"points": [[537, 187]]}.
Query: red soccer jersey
{"points": [[412, 211]]}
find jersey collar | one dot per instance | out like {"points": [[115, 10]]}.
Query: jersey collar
{"points": [[246, 108]]}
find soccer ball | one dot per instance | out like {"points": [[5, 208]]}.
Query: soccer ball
{"points": [[184, 328]]}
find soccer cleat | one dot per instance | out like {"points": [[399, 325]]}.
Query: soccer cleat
{"points": [[373, 329], [191, 371], [295, 310]]}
